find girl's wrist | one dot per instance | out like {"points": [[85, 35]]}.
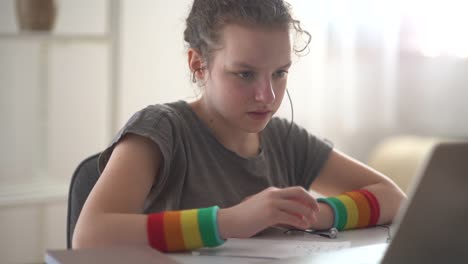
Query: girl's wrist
{"points": [[224, 225], [325, 217]]}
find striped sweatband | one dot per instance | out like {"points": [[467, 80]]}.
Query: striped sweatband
{"points": [[171, 231], [354, 209]]}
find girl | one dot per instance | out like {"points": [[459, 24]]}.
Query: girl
{"points": [[184, 175]]}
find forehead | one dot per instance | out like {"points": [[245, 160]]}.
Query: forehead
{"points": [[259, 46]]}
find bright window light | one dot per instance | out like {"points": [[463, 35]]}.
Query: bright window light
{"points": [[439, 27]]}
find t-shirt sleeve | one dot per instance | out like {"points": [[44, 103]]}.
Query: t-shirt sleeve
{"points": [[306, 152], [152, 123]]}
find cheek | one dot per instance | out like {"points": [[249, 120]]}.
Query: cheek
{"points": [[280, 88], [280, 91], [231, 90], [235, 97], [222, 95], [239, 90]]}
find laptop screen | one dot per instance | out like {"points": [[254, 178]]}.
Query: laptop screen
{"points": [[432, 226]]}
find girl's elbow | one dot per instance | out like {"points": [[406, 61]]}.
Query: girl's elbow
{"points": [[83, 239], [87, 235]]}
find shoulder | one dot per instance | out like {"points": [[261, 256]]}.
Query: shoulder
{"points": [[282, 128], [278, 126], [157, 118], [156, 112], [159, 123]]}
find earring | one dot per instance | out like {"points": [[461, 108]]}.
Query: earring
{"points": [[194, 79]]}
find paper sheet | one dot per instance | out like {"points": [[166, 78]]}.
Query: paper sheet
{"points": [[272, 249]]}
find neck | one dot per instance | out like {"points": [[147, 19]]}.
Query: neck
{"points": [[245, 144]]}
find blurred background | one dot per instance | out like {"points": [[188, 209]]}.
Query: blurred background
{"points": [[378, 74]]}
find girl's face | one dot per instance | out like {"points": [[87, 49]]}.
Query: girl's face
{"points": [[247, 76]]}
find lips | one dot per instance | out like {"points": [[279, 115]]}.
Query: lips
{"points": [[259, 115]]}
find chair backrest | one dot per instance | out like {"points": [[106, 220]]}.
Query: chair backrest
{"points": [[82, 182]]}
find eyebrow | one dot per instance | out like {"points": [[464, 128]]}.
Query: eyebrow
{"points": [[246, 65]]}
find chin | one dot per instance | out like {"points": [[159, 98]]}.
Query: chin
{"points": [[256, 127]]}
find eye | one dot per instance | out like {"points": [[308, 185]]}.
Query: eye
{"points": [[280, 74], [247, 75]]}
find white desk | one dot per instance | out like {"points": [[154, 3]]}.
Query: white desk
{"points": [[361, 237]]}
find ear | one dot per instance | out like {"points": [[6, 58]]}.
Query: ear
{"points": [[196, 64]]}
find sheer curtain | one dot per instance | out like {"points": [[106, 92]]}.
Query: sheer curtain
{"points": [[374, 70]]}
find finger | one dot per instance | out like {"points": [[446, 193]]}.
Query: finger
{"points": [[283, 226], [300, 194], [297, 209], [287, 219]]}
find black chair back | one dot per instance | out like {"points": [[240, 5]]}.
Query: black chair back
{"points": [[82, 182]]}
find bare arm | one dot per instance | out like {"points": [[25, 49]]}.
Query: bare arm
{"points": [[112, 213], [342, 174]]}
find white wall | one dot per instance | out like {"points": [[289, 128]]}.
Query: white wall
{"points": [[19, 110], [55, 110], [29, 229], [154, 68]]}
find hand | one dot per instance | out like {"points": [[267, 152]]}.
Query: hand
{"points": [[292, 206], [279, 225]]}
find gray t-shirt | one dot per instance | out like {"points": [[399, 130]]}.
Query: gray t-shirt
{"points": [[198, 171]]}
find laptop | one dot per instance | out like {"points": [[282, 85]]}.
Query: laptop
{"points": [[431, 227]]}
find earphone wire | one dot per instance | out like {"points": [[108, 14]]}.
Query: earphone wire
{"points": [[289, 163], [292, 115]]}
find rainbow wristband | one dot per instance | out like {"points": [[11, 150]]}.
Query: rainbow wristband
{"points": [[334, 209], [354, 209], [341, 210], [363, 207], [184, 230], [374, 205], [351, 210]]}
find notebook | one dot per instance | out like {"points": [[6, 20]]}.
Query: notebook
{"points": [[431, 227]]}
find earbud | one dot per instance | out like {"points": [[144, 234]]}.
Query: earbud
{"points": [[331, 233]]}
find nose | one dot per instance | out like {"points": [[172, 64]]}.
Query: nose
{"points": [[264, 92]]}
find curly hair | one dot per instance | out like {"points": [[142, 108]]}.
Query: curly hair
{"points": [[208, 17]]}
